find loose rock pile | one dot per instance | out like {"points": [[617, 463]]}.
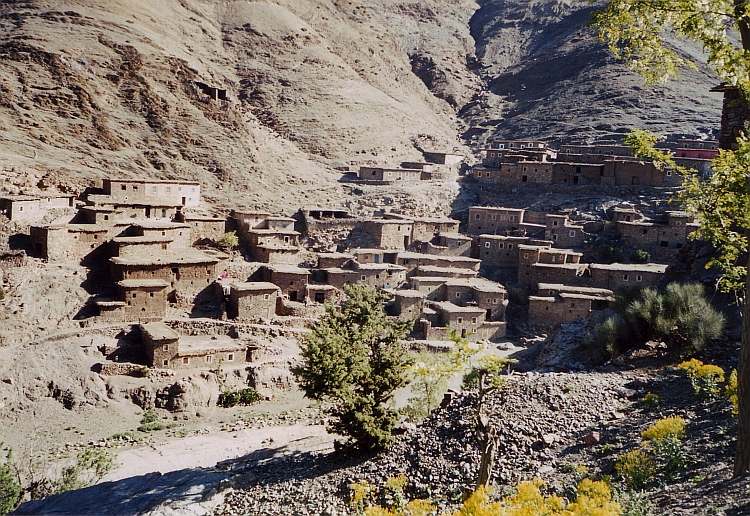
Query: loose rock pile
{"points": [[537, 415]]}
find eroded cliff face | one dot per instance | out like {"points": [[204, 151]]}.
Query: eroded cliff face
{"points": [[92, 89]]}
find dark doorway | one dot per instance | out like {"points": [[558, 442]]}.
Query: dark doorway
{"points": [[524, 179], [463, 333], [183, 201], [406, 241], [292, 295], [320, 297], [489, 314]]}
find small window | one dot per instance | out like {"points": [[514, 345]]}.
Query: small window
{"points": [[106, 217], [133, 295], [624, 277], [494, 301], [150, 294], [476, 216], [168, 189], [638, 277], [473, 320], [512, 218], [266, 296], [135, 188], [185, 360], [525, 256], [488, 174], [458, 294], [572, 234], [363, 277], [493, 216], [165, 347], [460, 320], [501, 245], [209, 359], [487, 245], [554, 223], [165, 363], [230, 357], [510, 246], [153, 189], [123, 187]]}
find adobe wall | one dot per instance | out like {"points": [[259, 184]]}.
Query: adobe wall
{"points": [[251, 305], [153, 193], [143, 303], [557, 311], [206, 230], [290, 282]]}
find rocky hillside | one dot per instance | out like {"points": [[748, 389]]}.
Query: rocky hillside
{"points": [[89, 89]]}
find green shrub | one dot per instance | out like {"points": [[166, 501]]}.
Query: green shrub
{"points": [[608, 337], [639, 256], [10, 487], [612, 254], [681, 316], [633, 503], [651, 401], [149, 417], [142, 372], [246, 396], [151, 427], [636, 468]]}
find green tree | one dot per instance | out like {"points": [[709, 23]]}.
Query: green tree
{"points": [[228, 240], [634, 30], [430, 375], [354, 359]]}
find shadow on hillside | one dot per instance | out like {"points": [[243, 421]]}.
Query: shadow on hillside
{"points": [[144, 493]]}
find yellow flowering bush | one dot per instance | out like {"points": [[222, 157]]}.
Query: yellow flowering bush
{"points": [[704, 377], [666, 428], [651, 400], [731, 393], [593, 499], [636, 468]]}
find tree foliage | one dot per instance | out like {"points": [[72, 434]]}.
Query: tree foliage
{"points": [[635, 30], [10, 487], [355, 360]]}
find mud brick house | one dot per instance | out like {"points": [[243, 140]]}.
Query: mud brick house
{"points": [[477, 292], [531, 255], [145, 299], [272, 240], [205, 228], [151, 192], [501, 151], [576, 173], [540, 172], [494, 220], [411, 261], [575, 274], [252, 300], [321, 293], [430, 286], [626, 214], [291, 280], [660, 238], [597, 151], [374, 275], [424, 229], [391, 175], [468, 321], [558, 304], [375, 255], [29, 208], [502, 251], [166, 349], [562, 232], [128, 247], [624, 171], [246, 220], [328, 260], [443, 158], [618, 276], [178, 232], [444, 272], [189, 272], [69, 241], [390, 234], [448, 244], [322, 222], [408, 304]]}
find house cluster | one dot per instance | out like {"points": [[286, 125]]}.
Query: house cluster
{"points": [[606, 163], [409, 172], [542, 254]]}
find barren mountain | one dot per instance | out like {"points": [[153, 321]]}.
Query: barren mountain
{"points": [[92, 89]]}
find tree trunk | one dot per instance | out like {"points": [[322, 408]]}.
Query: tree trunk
{"points": [[489, 451], [742, 456]]}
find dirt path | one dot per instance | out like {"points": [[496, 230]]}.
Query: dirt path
{"points": [[210, 449]]}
